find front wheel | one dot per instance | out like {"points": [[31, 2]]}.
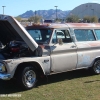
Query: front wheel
{"points": [[27, 77], [96, 67]]}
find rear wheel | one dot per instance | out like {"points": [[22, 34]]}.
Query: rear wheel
{"points": [[27, 77], [96, 67]]}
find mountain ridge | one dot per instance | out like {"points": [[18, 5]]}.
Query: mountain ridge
{"points": [[46, 14]]}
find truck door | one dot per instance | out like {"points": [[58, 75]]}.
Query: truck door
{"points": [[63, 51]]}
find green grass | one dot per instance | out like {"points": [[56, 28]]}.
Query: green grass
{"points": [[75, 85]]}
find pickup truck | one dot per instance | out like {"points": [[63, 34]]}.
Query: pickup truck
{"points": [[28, 52]]}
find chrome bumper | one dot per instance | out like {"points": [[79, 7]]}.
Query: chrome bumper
{"points": [[5, 76]]}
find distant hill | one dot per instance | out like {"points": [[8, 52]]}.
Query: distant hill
{"points": [[46, 14]]}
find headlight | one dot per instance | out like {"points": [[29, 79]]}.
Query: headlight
{"points": [[2, 67]]}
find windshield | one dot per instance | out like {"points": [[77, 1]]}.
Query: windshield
{"points": [[40, 35]]}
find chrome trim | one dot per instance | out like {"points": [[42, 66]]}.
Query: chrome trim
{"points": [[2, 67], [5, 76]]}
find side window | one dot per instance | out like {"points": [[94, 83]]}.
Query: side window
{"points": [[90, 35], [84, 35], [97, 32], [62, 35]]}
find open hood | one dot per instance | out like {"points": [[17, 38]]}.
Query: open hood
{"points": [[11, 29]]}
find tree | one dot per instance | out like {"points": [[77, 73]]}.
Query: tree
{"points": [[18, 18], [31, 19], [90, 19], [87, 19], [94, 19], [72, 18], [35, 19]]}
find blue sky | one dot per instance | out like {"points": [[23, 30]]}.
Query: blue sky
{"points": [[17, 7]]}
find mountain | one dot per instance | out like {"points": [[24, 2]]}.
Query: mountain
{"points": [[46, 14]]}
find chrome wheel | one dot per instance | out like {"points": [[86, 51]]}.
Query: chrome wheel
{"points": [[96, 67], [30, 78], [27, 77]]}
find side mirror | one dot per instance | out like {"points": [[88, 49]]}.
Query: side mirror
{"points": [[60, 41]]}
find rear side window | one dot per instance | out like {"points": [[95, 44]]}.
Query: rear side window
{"points": [[97, 33], [84, 35]]}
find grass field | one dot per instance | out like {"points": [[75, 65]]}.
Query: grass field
{"points": [[74, 85]]}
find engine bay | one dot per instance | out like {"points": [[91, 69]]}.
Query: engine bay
{"points": [[16, 42], [16, 49]]}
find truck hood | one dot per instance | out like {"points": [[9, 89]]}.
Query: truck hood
{"points": [[11, 29]]}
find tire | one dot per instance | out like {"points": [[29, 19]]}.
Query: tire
{"points": [[27, 77], [96, 67]]}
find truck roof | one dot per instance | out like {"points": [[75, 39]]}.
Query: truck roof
{"points": [[65, 25]]}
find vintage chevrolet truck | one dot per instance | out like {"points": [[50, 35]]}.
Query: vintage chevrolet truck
{"points": [[27, 53]]}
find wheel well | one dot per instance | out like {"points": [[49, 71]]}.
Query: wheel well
{"points": [[95, 60], [34, 64]]}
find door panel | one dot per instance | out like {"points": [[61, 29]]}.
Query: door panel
{"points": [[63, 57]]}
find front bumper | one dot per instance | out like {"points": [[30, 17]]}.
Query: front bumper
{"points": [[5, 76]]}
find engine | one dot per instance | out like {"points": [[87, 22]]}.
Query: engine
{"points": [[16, 49]]}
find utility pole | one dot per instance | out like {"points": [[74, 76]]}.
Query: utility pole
{"points": [[35, 16], [3, 9], [56, 12]]}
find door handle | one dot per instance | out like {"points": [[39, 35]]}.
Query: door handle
{"points": [[73, 46]]}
